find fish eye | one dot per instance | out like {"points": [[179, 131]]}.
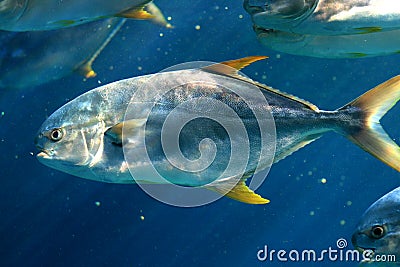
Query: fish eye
{"points": [[377, 231], [56, 134]]}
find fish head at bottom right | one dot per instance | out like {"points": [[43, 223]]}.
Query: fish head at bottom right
{"points": [[379, 228]]}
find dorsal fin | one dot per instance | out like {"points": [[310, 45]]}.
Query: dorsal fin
{"points": [[231, 69], [292, 97]]}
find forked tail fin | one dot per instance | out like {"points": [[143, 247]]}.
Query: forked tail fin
{"points": [[372, 137]]}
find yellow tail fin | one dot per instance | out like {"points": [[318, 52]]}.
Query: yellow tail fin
{"points": [[372, 137]]}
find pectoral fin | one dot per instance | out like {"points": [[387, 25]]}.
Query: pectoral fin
{"points": [[240, 192], [115, 132]]}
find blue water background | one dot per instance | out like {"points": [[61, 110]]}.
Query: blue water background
{"points": [[48, 218]]}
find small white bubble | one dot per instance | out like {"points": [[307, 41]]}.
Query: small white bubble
{"points": [[197, 27], [97, 203]]}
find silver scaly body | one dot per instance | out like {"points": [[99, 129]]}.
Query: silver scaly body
{"points": [[83, 137]]}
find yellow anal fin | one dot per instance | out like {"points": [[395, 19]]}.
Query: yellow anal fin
{"points": [[240, 192], [366, 30], [136, 13]]}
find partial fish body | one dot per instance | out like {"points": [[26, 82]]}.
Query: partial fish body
{"points": [[328, 46], [379, 228], [325, 17], [327, 28], [83, 137], [50, 55], [35, 15]]}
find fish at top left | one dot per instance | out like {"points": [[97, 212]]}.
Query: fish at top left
{"points": [[35, 15], [34, 58]]}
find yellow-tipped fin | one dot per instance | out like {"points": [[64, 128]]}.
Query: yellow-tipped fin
{"points": [[372, 137], [366, 30], [158, 16], [231, 68], [64, 23], [86, 70], [240, 192], [136, 13]]}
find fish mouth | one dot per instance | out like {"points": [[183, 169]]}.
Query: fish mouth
{"points": [[367, 253], [361, 249], [43, 155]]}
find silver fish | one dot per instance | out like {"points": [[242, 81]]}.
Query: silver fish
{"points": [[327, 28], [34, 15], [84, 137], [325, 17], [379, 229], [28, 59], [328, 46]]}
